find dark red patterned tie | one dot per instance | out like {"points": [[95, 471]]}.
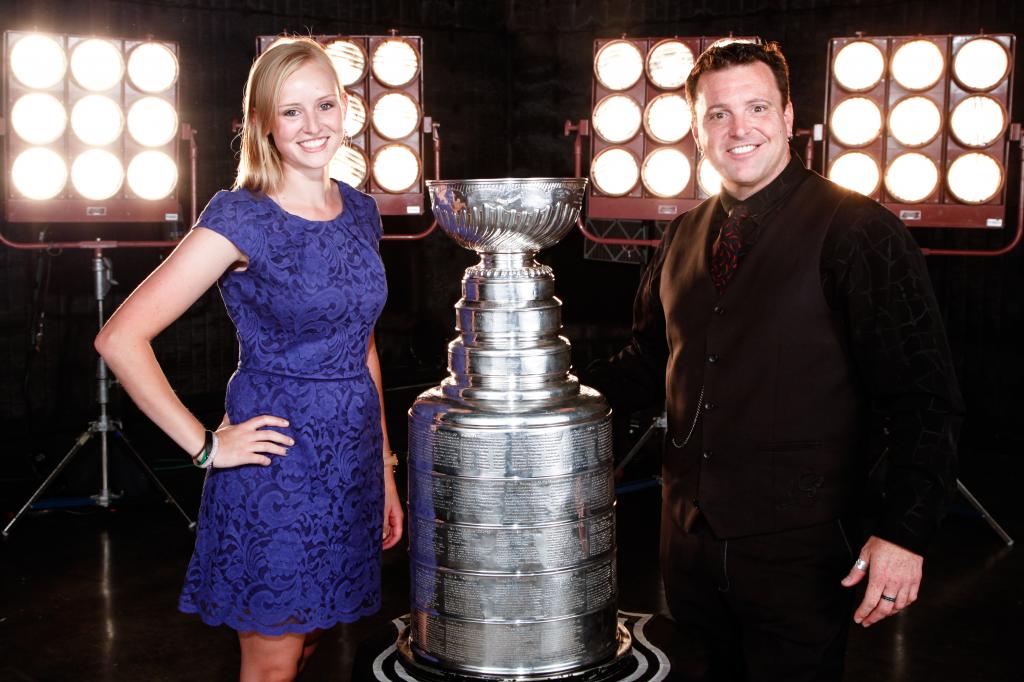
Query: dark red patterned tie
{"points": [[726, 250]]}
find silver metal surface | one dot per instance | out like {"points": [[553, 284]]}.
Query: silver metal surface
{"points": [[511, 495]]}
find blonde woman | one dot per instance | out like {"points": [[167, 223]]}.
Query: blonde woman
{"points": [[299, 491]]}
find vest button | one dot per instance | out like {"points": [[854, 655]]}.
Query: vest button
{"points": [[718, 310], [713, 358], [707, 454], [708, 406]]}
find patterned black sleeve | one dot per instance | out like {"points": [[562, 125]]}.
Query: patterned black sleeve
{"points": [[874, 274]]}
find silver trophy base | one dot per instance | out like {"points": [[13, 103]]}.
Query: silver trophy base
{"points": [[608, 671]]}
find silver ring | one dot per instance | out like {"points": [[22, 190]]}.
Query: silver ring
{"points": [[888, 598], [860, 565]]}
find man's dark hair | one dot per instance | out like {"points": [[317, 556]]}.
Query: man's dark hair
{"points": [[718, 57]]}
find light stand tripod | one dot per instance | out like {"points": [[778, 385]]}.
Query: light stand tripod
{"points": [[104, 425]]}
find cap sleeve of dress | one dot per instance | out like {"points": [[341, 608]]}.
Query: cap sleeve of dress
{"points": [[230, 214]]}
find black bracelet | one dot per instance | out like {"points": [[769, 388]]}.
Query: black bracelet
{"points": [[200, 457]]}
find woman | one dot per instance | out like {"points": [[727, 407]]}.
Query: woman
{"points": [[300, 484]]}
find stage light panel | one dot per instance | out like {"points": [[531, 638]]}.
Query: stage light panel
{"points": [[667, 118], [355, 115], [349, 166], [349, 60], [978, 121], [856, 121], [97, 64], [395, 116], [915, 121], [981, 64], [669, 63], [152, 67], [152, 175], [911, 177], [918, 64], [395, 62], [39, 173], [619, 65], [856, 171], [152, 121], [38, 61], [38, 118], [858, 66], [975, 178], [97, 120], [615, 171], [617, 118], [665, 172], [97, 174], [708, 178], [396, 168]]}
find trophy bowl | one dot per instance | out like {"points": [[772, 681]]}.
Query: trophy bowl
{"points": [[507, 215]]}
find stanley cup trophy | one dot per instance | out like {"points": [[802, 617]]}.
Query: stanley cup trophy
{"points": [[511, 495]]}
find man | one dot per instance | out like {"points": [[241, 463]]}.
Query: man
{"points": [[791, 325]]}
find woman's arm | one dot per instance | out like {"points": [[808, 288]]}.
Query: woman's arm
{"points": [[392, 503]]}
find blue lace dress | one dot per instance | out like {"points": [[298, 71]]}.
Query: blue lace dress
{"points": [[296, 545]]}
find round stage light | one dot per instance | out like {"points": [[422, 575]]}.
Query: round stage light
{"points": [[858, 66], [975, 178], [618, 65], [667, 118], [39, 173], [97, 65], [396, 168], [355, 115], [349, 166], [911, 177], [38, 61], [395, 116], [665, 172], [856, 121], [349, 61], [856, 171], [708, 177], [915, 121], [918, 65], [669, 63], [615, 171], [152, 67], [980, 64], [978, 121], [97, 120], [97, 174], [38, 118], [617, 118], [395, 62], [152, 175], [152, 121]]}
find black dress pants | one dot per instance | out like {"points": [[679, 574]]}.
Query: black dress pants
{"points": [[770, 607]]}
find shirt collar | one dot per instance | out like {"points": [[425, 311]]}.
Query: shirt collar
{"points": [[769, 195]]}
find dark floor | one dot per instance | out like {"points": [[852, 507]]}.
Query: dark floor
{"points": [[91, 595]]}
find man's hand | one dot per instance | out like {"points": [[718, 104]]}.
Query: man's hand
{"points": [[894, 576]]}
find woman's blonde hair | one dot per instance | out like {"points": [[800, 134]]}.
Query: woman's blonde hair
{"points": [[259, 162]]}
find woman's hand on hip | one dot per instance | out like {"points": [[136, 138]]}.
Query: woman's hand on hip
{"points": [[251, 442]]}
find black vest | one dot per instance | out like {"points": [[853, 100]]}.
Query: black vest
{"points": [[777, 446]]}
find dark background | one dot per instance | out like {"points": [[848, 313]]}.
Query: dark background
{"points": [[500, 77]]}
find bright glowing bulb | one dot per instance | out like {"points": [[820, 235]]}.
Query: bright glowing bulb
{"points": [[349, 166], [856, 171], [97, 65], [38, 118], [97, 174], [975, 178], [38, 61], [667, 118], [980, 64], [396, 168], [349, 61], [915, 121], [666, 172], [911, 177], [152, 175], [708, 178], [618, 65], [152, 67], [152, 121], [615, 171], [859, 66], [918, 65], [669, 63], [39, 173], [97, 120], [978, 121], [355, 115], [395, 116], [617, 118], [395, 62], [856, 121]]}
